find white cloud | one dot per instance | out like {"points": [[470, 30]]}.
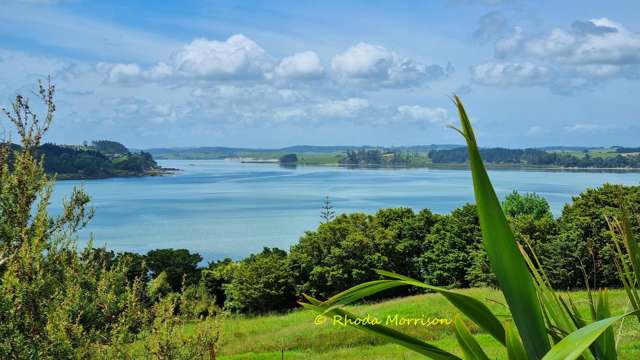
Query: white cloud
{"points": [[304, 65], [423, 114], [375, 66], [583, 128], [510, 74], [127, 109], [536, 131], [236, 58], [508, 45], [240, 59], [597, 41], [566, 59], [120, 73], [342, 108], [284, 115], [363, 61]]}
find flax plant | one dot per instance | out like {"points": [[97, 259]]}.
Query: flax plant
{"points": [[543, 324]]}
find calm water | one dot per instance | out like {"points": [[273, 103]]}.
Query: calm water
{"points": [[226, 208]]}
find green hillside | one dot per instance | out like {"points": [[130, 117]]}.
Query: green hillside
{"points": [[297, 336]]}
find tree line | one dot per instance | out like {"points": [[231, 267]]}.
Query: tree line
{"points": [[439, 249], [381, 158], [536, 157]]}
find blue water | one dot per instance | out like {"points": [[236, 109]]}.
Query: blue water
{"points": [[229, 209]]}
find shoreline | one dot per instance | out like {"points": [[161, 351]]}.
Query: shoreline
{"points": [[438, 166], [154, 172]]}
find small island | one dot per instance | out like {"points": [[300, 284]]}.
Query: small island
{"points": [[99, 160]]}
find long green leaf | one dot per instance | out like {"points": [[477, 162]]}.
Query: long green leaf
{"points": [[470, 347], [474, 309], [361, 291], [605, 345], [631, 244], [506, 261], [572, 346], [392, 335], [515, 350]]}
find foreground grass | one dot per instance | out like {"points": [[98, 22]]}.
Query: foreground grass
{"points": [[295, 335]]}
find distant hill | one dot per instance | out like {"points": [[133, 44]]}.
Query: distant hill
{"points": [[597, 158], [217, 152]]}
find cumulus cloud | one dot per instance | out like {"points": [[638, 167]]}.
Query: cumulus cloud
{"points": [[304, 65], [237, 58], [240, 59], [375, 66], [510, 74], [597, 41], [565, 59]]}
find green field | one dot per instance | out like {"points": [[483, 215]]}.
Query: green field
{"points": [[296, 335]]}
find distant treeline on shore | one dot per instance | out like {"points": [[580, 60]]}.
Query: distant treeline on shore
{"points": [[418, 156]]}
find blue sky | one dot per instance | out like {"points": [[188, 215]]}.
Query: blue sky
{"points": [[272, 74]]}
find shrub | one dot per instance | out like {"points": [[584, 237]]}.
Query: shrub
{"points": [[178, 264], [55, 302], [261, 283]]}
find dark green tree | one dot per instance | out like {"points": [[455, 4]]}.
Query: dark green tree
{"points": [[261, 283], [328, 213], [179, 264], [516, 204], [216, 276], [582, 246], [288, 159], [447, 259]]}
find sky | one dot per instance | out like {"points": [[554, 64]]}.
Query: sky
{"points": [[280, 73]]}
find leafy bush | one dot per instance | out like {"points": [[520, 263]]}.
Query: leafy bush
{"points": [[167, 340], [55, 302]]}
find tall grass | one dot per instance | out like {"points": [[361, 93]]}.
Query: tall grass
{"points": [[543, 324]]}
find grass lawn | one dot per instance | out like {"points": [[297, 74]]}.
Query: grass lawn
{"points": [[295, 333]]}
